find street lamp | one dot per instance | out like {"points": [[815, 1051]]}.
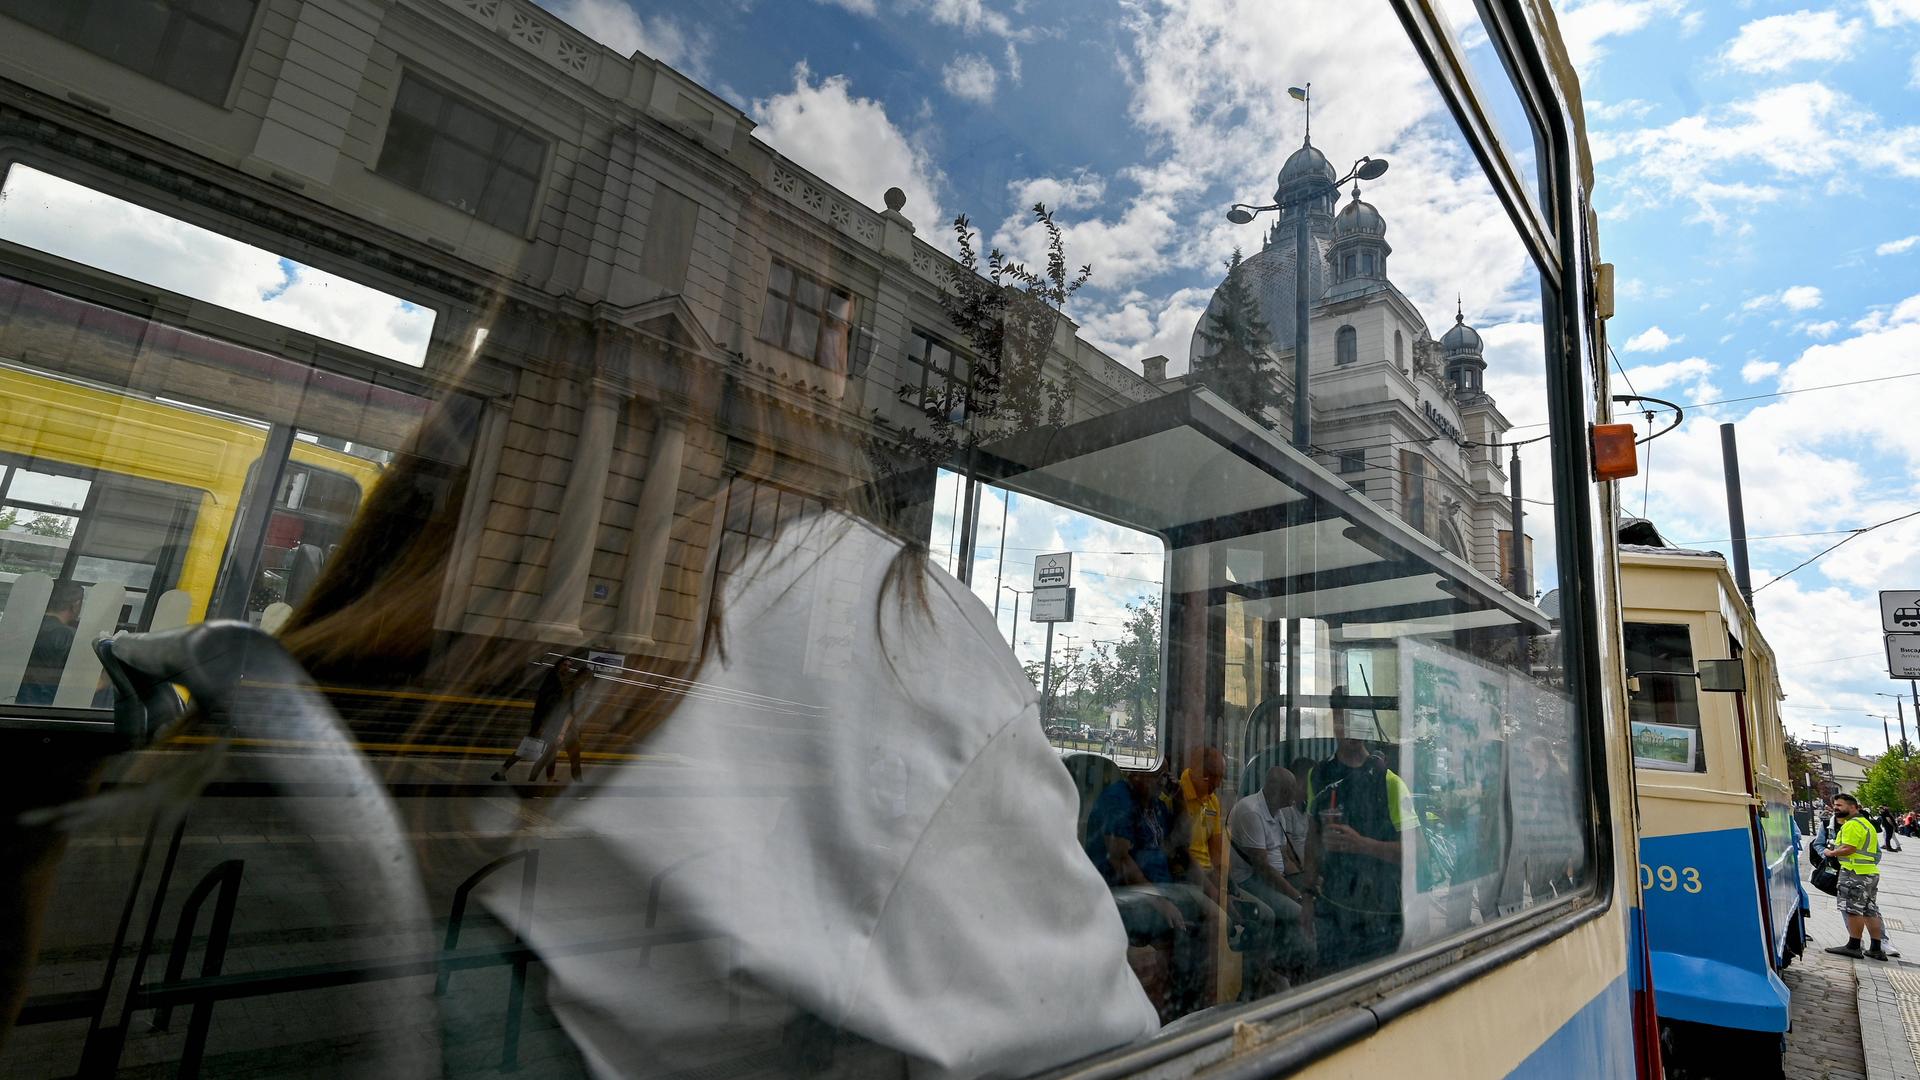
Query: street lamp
{"points": [[1013, 635], [1297, 198], [1297, 201], [1900, 708]]}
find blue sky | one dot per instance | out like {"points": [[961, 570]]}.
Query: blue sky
{"points": [[1758, 166]]}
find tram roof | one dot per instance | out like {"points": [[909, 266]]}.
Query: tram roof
{"points": [[1280, 531]]}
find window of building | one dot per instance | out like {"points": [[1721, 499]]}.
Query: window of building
{"points": [[1399, 351], [1413, 488], [807, 317], [1366, 263], [191, 45], [456, 152], [1346, 345], [938, 376], [1353, 461], [1664, 714]]}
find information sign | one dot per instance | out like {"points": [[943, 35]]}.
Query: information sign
{"points": [[1053, 604]]}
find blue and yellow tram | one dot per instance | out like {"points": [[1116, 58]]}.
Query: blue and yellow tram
{"points": [[1719, 868]]}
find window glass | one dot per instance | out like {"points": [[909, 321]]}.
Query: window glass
{"points": [[1664, 712], [191, 45], [760, 716], [454, 151]]}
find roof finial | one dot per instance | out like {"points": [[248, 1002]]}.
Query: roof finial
{"points": [[1459, 313]]}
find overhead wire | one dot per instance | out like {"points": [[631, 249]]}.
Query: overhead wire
{"points": [[1854, 535]]}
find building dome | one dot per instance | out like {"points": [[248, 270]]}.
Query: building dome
{"points": [[1462, 338], [1269, 274], [1359, 218], [1306, 166]]}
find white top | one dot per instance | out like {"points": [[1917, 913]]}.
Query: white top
{"points": [[1260, 832], [855, 817]]}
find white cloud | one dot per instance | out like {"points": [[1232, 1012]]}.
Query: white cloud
{"points": [[1755, 370], [1013, 63], [1780, 140], [1898, 247], [1585, 26], [1691, 373], [1893, 12], [858, 7], [1820, 329], [1606, 112], [973, 16], [1793, 298], [43, 211], [850, 142], [1780, 41], [970, 76], [615, 24], [1652, 339]]}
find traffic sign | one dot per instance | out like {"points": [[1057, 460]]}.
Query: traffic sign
{"points": [[1899, 611], [1055, 604], [1055, 569], [1903, 656]]}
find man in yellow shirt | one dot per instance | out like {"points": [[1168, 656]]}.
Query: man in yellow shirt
{"points": [[1206, 833], [1858, 848]]}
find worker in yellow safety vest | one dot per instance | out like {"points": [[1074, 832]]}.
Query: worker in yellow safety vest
{"points": [[1857, 847]]}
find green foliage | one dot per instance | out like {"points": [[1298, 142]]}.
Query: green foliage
{"points": [[1007, 312], [49, 525], [1089, 683], [1887, 781], [1239, 365], [8, 516], [1803, 765]]}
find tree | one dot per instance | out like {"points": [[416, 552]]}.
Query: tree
{"points": [[1007, 312], [52, 525], [1888, 779], [7, 517], [1239, 365], [1128, 671], [1803, 765]]}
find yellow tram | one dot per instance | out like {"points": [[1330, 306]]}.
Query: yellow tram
{"points": [[1719, 868]]}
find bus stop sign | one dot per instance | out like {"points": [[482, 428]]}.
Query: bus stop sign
{"points": [[1900, 611], [1055, 569]]}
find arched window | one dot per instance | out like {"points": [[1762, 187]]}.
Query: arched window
{"points": [[1366, 263], [1346, 345], [1399, 351]]}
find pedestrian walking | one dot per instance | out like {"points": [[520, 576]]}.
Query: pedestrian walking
{"points": [[1857, 847], [554, 725]]}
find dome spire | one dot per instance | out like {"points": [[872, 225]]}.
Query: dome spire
{"points": [[1459, 312]]}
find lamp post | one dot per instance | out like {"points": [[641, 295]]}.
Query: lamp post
{"points": [[1013, 635], [1900, 709], [1296, 199]]}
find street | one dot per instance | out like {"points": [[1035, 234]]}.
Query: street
{"points": [[1859, 1019]]}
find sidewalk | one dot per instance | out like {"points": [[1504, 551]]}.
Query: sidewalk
{"points": [[1881, 1039]]}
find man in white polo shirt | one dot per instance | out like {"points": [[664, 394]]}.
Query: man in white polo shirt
{"points": [[1269, 837]]}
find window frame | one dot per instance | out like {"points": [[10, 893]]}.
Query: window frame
{"points": [[1346, 346], [920, 343], [825, 318], [385, 164], [177, 14]]}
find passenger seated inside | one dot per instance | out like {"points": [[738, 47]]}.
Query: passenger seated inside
{"points": [[1131, 839], [1269, 837], [1361, 814]]}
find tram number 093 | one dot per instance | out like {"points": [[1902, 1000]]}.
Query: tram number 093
{"points": [[1684, 879]]}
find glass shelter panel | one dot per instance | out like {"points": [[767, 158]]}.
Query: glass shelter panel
{"points": [[974, 588]]}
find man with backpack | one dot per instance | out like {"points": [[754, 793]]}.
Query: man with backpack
{"points": [[1857, 848]]}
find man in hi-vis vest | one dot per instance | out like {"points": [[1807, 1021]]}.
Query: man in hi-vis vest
{"points": [[1858, 848]]}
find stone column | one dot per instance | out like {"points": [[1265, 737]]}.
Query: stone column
{"points": [[652, 528], [576, 532]]}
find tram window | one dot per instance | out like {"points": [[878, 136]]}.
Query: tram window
{"points": [[773, 633], [1669, 703], [53, 214]]}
